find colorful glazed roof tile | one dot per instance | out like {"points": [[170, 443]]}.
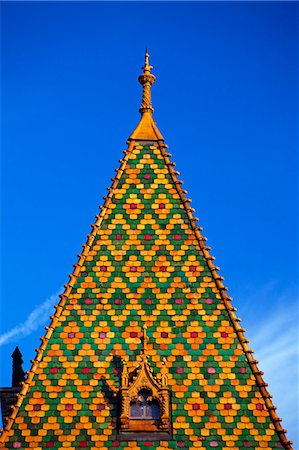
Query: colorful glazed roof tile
{"points": [[145, 263]]}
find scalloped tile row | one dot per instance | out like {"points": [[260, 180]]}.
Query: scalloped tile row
{"points": [[145, 266]]}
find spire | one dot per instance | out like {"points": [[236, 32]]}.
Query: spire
{"points": [[146, 79], [147, 128]]}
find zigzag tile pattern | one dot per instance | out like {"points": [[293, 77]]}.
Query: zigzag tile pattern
{"points": [[144, 265]]}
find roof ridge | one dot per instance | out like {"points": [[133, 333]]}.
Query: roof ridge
{"points": [[281, 432]]}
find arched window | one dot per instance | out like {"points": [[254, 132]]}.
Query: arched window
{"points": [[145, 407]]}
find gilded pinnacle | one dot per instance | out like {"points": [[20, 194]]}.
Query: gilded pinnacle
{"points": [[146, 79], [147, 68], [146, 128], [144, 340]]}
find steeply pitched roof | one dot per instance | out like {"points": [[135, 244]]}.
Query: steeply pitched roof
{"points": [[145, 262]]}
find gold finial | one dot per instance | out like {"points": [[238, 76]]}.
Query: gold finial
{"points": [[144, 340], [146, 68], [125, 374], [146, 79], [164, 373]]}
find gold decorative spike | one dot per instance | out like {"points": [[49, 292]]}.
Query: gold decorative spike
{"points": [[164, 380], [144, 340], [146, 79], [125, 375], [147, 128]]}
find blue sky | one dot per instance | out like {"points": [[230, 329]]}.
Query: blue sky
{"points": [[226, 102]]}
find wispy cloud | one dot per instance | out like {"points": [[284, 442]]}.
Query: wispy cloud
{"points": [[274, 337], [37, 317]]}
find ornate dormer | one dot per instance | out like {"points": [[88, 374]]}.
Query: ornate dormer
{"points": [[145, 409]]}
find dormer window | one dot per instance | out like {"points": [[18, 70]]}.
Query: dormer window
{"points": [[145, 409]]}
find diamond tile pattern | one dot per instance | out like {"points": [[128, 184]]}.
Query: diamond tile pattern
{"points": [[143, 265]]}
